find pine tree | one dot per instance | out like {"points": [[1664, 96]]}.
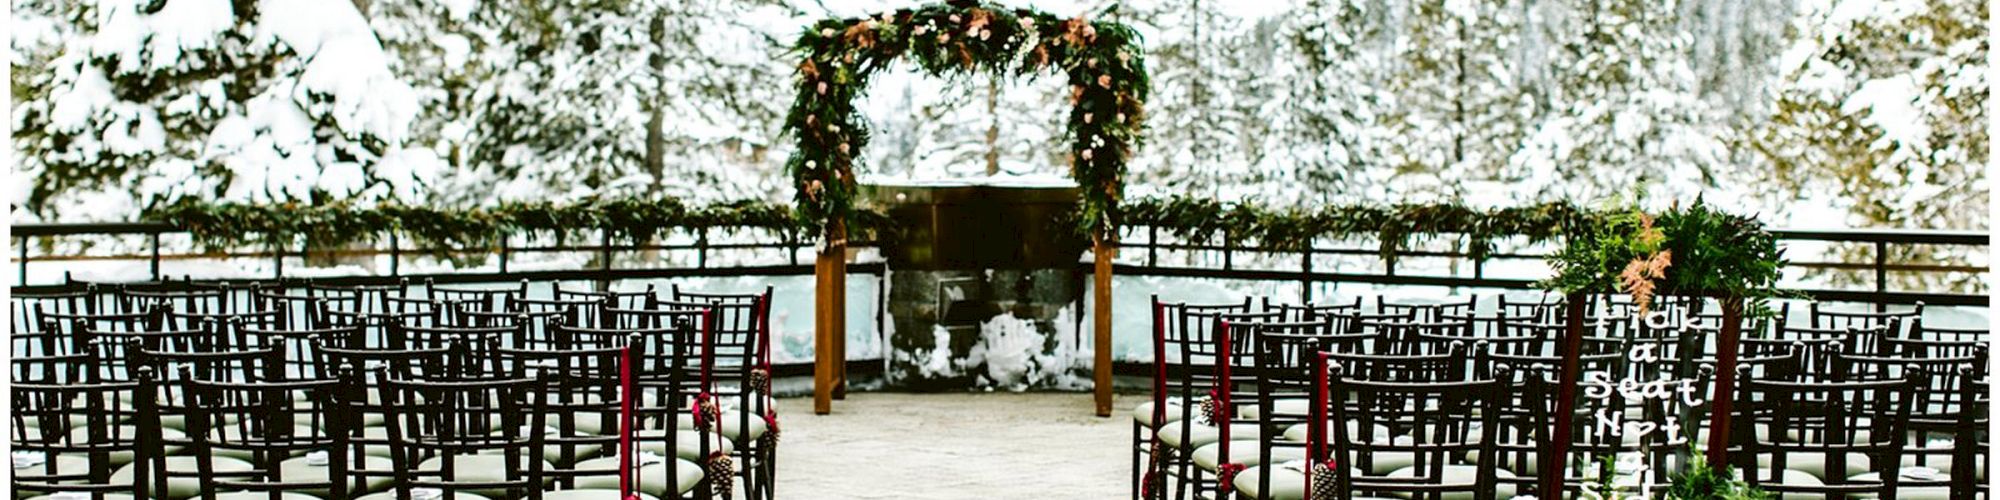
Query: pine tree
{"points": [[1883, 106], [1332, 124], [1460, 109], [1626, 111], [272, 100]]}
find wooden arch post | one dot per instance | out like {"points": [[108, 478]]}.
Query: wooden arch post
{"points": [[830, 319], [1103, 249]]}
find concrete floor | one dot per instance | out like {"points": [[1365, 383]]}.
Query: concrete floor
{"points": [[954, 446]]}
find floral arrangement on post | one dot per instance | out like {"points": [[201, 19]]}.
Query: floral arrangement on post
{"points": [[1692, 250], [1104, 62]]}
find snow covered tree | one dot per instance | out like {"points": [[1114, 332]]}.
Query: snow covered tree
{"points": [[1331, 123], [1459, 108], [1882, 113], [1626, 113], [265, 100]]}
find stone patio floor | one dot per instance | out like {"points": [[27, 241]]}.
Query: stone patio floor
{"points": [[955, 446]]}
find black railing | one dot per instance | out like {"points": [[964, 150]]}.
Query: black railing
{"points": [[1141, 250], [1223, 258]]}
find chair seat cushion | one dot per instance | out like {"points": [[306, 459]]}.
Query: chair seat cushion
{"points": [[81, 496], [651, 475], [128, 433], [182, 482], [687, 443], [1909, 492], [1198, 435], [732, 425], [1244, 452], [1297, 433], [304, 470], [69, 464], [252, 495], [590, 494], [474, 468], [419, 494], [1143, 414], [1288, 407], [1457, 474], [1815, 463], [1286, 484]]}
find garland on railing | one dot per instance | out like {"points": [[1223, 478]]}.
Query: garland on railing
{"points": [[1394, 226], [637, 220], [1692, 250]]}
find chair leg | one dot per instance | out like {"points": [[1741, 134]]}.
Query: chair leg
{"points": [[1135, 460]]}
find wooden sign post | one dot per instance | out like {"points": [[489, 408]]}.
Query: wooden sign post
{"points": [[1724, 394], [1103, 251], [1557, 458]]}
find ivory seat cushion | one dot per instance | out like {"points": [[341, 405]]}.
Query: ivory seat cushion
{"points": [[475, 468], [1286, 484], [181, 480], [1458, 474], [732, 425], [1200, 435], [66, 464], [1298, 433], [1143, 414], [80, 496], [1908, 492], [687, 443], [1243, 452], [302, 470], [128, 433], [1815, 463], [652, 476], [1799, 478], [391, 495], [591, 494], [1289, 407], [259, 495]]}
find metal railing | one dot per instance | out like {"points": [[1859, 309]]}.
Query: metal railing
{"points": [[1140, 256], [1141, 250]]}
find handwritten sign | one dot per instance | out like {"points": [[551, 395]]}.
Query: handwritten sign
{"points": [[1610, 422]]}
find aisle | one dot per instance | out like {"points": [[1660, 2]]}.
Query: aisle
{"points": [[954, 446]]}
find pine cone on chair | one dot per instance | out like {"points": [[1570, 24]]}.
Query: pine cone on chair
{"points": [[1207, 411], [770, 440], [1322, 482], [721, 474], [760, 381]]}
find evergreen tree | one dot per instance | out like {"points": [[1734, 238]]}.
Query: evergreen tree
{"points": [[1627, 112], [271, 100], [1459, 108]]}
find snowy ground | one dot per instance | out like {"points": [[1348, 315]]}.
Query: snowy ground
{"points": [[954, 446]]}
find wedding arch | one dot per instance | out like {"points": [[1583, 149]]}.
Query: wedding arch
{"points": [[1105, 65]]}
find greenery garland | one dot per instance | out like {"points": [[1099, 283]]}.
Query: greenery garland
{"points": [[1294, 229], [1104, 61], [328, 226], [1693, 250]]}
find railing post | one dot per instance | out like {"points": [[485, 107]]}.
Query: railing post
{"points": [[1228, 251], [24, 261], [701, 248], [1305, 274], [156, 256], [278, 259], [395, 254], [506, 247], [1881, 273], [1152, 246]]}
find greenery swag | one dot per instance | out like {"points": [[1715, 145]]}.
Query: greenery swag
{"points": [[221, 225], [1104, 61], [1692, 250], [1292, 229]]}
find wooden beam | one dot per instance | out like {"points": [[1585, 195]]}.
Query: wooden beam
{"points": [[1101, 292], [1553, 462], [839, 251], [1725, 382], [823, 358]]}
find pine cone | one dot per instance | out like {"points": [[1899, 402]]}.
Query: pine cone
{"points": [[760, 381], [1207, 411], [721, 474], [1322, 482], [769, 442]]}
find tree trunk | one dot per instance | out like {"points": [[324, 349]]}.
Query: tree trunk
{"points": [[1103, 250]]}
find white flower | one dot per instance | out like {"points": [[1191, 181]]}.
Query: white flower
{"points": [[826, 32], [919, 30], [954, 18], [944, 36], [1088, 116], [1086, 155], [985, 34], [822, 88]]}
